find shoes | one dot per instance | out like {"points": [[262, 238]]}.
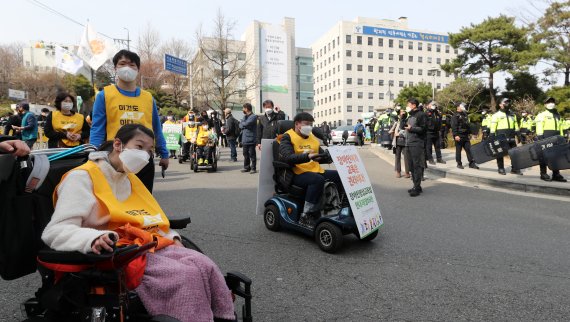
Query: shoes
{"points": [[253, 171], [407, 175], [174, 157], [420, 190], [306, 220], [430, 161], [398, 174], [502, 171], [200, 161], [516, 172], [545, 177], [233, 160], [460, 166], [206, 162], [245, 170], [440, 160], [559, 178], [473, 166], [414, 193]]}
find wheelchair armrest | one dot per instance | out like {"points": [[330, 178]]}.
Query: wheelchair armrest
{"points": [[179, 223], [281, 165], [55, 256], [234, 281]]}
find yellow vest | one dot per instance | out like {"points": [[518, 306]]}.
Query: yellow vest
{"points": [[486, 121], [67, 123], [140, 209], [190, 132], [123, 110], [308, 145], [202, 136], [545, 121], [501, 121]]}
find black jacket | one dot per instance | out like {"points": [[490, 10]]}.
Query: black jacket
{"points": [[287, 152], [416, 136], [433, 121], [460, 125], [232, 127], [267, 127]]}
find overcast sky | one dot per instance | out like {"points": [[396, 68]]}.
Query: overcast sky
{"points": [[26, 21]]}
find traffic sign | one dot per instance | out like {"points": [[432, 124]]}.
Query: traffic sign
{"points": [[15, 94], [175, 64]]}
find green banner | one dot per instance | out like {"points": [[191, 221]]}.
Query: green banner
{"points": [[172, 133]]}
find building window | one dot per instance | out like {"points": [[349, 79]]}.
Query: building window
{"points": [[370, 96], [420, 45], [359, 40], [447, 49], [420, 72], [401, 57], [348, 53], [348, 94], [381, 96], [411, 83], [380, 69], [349, 108], [428, 47], [438, 85], [390, 56], [410, 45], [370, 109], [438, 48], [348, 66], [391, 70], [241, 56], [381, 42], [360, 109], [401, 83], [411, 59], [381, 82], [438, 73], [360, 95], [349, 81], [391, 43], [401, 44], [359, 81], [420, 59], [390, 83], [370, 41], [349, 122], [359, 54], [429, 60], [401, 71], [380, 55], [438, 61], [370, 54], [455, 51], [411, 71], [370, 68], [348, 40], [359, 68], [370, 82]]}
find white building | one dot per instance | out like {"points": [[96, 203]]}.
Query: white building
{"points": [[40, 57], [360, 66]]}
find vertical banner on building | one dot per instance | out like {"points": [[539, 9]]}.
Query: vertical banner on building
{"points": [[274, 66], [358, 189], [172, 133]]}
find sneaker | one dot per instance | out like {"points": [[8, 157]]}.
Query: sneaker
{"points": [[517, 172], [414, 193], [502, 171], [440, 160], [420, 190], [473, 166], [460, 166], [200, 161], [245, 170], [306, 220], [545, 177], [253, 171], [559, 178], [407, 175], [206, 162], [431, 162], [398, 174]]}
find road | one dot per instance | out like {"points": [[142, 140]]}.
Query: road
{"points": [[454, 253]]}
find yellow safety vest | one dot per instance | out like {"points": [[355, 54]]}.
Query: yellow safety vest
{"points": [[503, 122], [527, 123], [486, 121], [308, 145], [546, 121], [202, 136], [123, 109], [140, 209], [190, 132], [67, 123]]}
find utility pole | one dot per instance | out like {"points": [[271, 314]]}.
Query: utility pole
{"points": [[433, 71], [128, 39]]}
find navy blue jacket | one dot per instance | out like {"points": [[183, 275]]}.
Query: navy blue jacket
{"points": [[248, 126]]}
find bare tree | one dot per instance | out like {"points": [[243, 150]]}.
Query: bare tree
{"points": [[176, 84], [226, 71], [41, 86], [11, 61], [149, 47]]}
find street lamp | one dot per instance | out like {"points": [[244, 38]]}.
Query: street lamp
{"points": [[433, 71], [192, 85], [128, 39]]}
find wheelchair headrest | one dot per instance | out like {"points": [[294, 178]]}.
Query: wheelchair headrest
{"points": [[284, 126]]}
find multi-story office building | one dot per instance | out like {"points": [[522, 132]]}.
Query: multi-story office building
{"points": [[360, 66]]}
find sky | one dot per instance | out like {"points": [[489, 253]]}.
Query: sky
{"points": [[27, 21]]}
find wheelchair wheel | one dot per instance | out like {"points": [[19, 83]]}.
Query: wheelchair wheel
{"points": [[271, 218], [328, 236], [190, 244], [194, 166], [370, 237], [215, 166]]}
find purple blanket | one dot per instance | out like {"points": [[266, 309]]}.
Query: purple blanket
{"points": [[186, 285]]}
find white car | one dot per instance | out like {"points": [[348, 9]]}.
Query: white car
{"points": [[336, 134]]}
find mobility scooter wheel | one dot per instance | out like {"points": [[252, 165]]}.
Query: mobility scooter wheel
{"points": [[271, 218], [328, 236], [370, 237]]}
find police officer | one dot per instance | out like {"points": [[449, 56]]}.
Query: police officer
{"points": [[485, 123], [432, 135], [504, 122], [549, 123], [526, 127], [460, 129], [415, 144]]}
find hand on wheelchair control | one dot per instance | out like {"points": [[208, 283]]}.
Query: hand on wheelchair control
{"points": [[105, 242]]}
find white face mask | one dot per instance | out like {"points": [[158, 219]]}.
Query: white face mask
{"points": [[66, 106], [550, 106], [191, 124], [169, 118], [408, 109], [306, 130], [127, 74], [134, 160], [268, 111], [432, 107], [205, 127]]}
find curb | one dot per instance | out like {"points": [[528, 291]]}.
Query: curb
{"points": [[505, 184]]}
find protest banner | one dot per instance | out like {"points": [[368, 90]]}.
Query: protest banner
{"points": [[172, 133]]}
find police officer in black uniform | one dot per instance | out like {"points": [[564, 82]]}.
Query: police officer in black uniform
{"points": [[432, 135], [460, 129]]}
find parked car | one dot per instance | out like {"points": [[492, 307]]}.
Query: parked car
{"points": [[336, 134]]}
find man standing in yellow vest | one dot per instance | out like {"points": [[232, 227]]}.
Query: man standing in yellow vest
{"points": [[125, 103], [549, 123], [504, 122], [485, 123], [527, 126]]}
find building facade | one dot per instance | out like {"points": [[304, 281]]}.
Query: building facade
{"points": [[40, 57], [360, 66]]}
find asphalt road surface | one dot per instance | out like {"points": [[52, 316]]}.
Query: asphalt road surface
{"points": [[454, 253]]}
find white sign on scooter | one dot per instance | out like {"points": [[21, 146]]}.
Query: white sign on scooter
{"points": [[358, 189], [265, 186]]}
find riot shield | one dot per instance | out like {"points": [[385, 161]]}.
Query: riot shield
{"points": [[530, 155], [558, 157], [490, 149]]}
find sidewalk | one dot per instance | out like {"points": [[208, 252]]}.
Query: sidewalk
{"points": [[487, 174]]}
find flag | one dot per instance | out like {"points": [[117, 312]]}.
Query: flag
{"points": [[95, 50], [67, 61]]}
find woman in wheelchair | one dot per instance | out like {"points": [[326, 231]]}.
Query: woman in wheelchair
{"points": [[301, 149], [104, 197], [205, 143]]}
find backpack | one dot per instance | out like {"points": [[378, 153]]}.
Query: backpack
{"points": [[360, 130]]}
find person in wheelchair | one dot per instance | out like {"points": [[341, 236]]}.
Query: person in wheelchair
{"points": [[205, 143], [104, 198], [190, 132], [301, 149]]}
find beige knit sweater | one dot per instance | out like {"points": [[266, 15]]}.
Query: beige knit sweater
{"points": [[77, 220]]}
